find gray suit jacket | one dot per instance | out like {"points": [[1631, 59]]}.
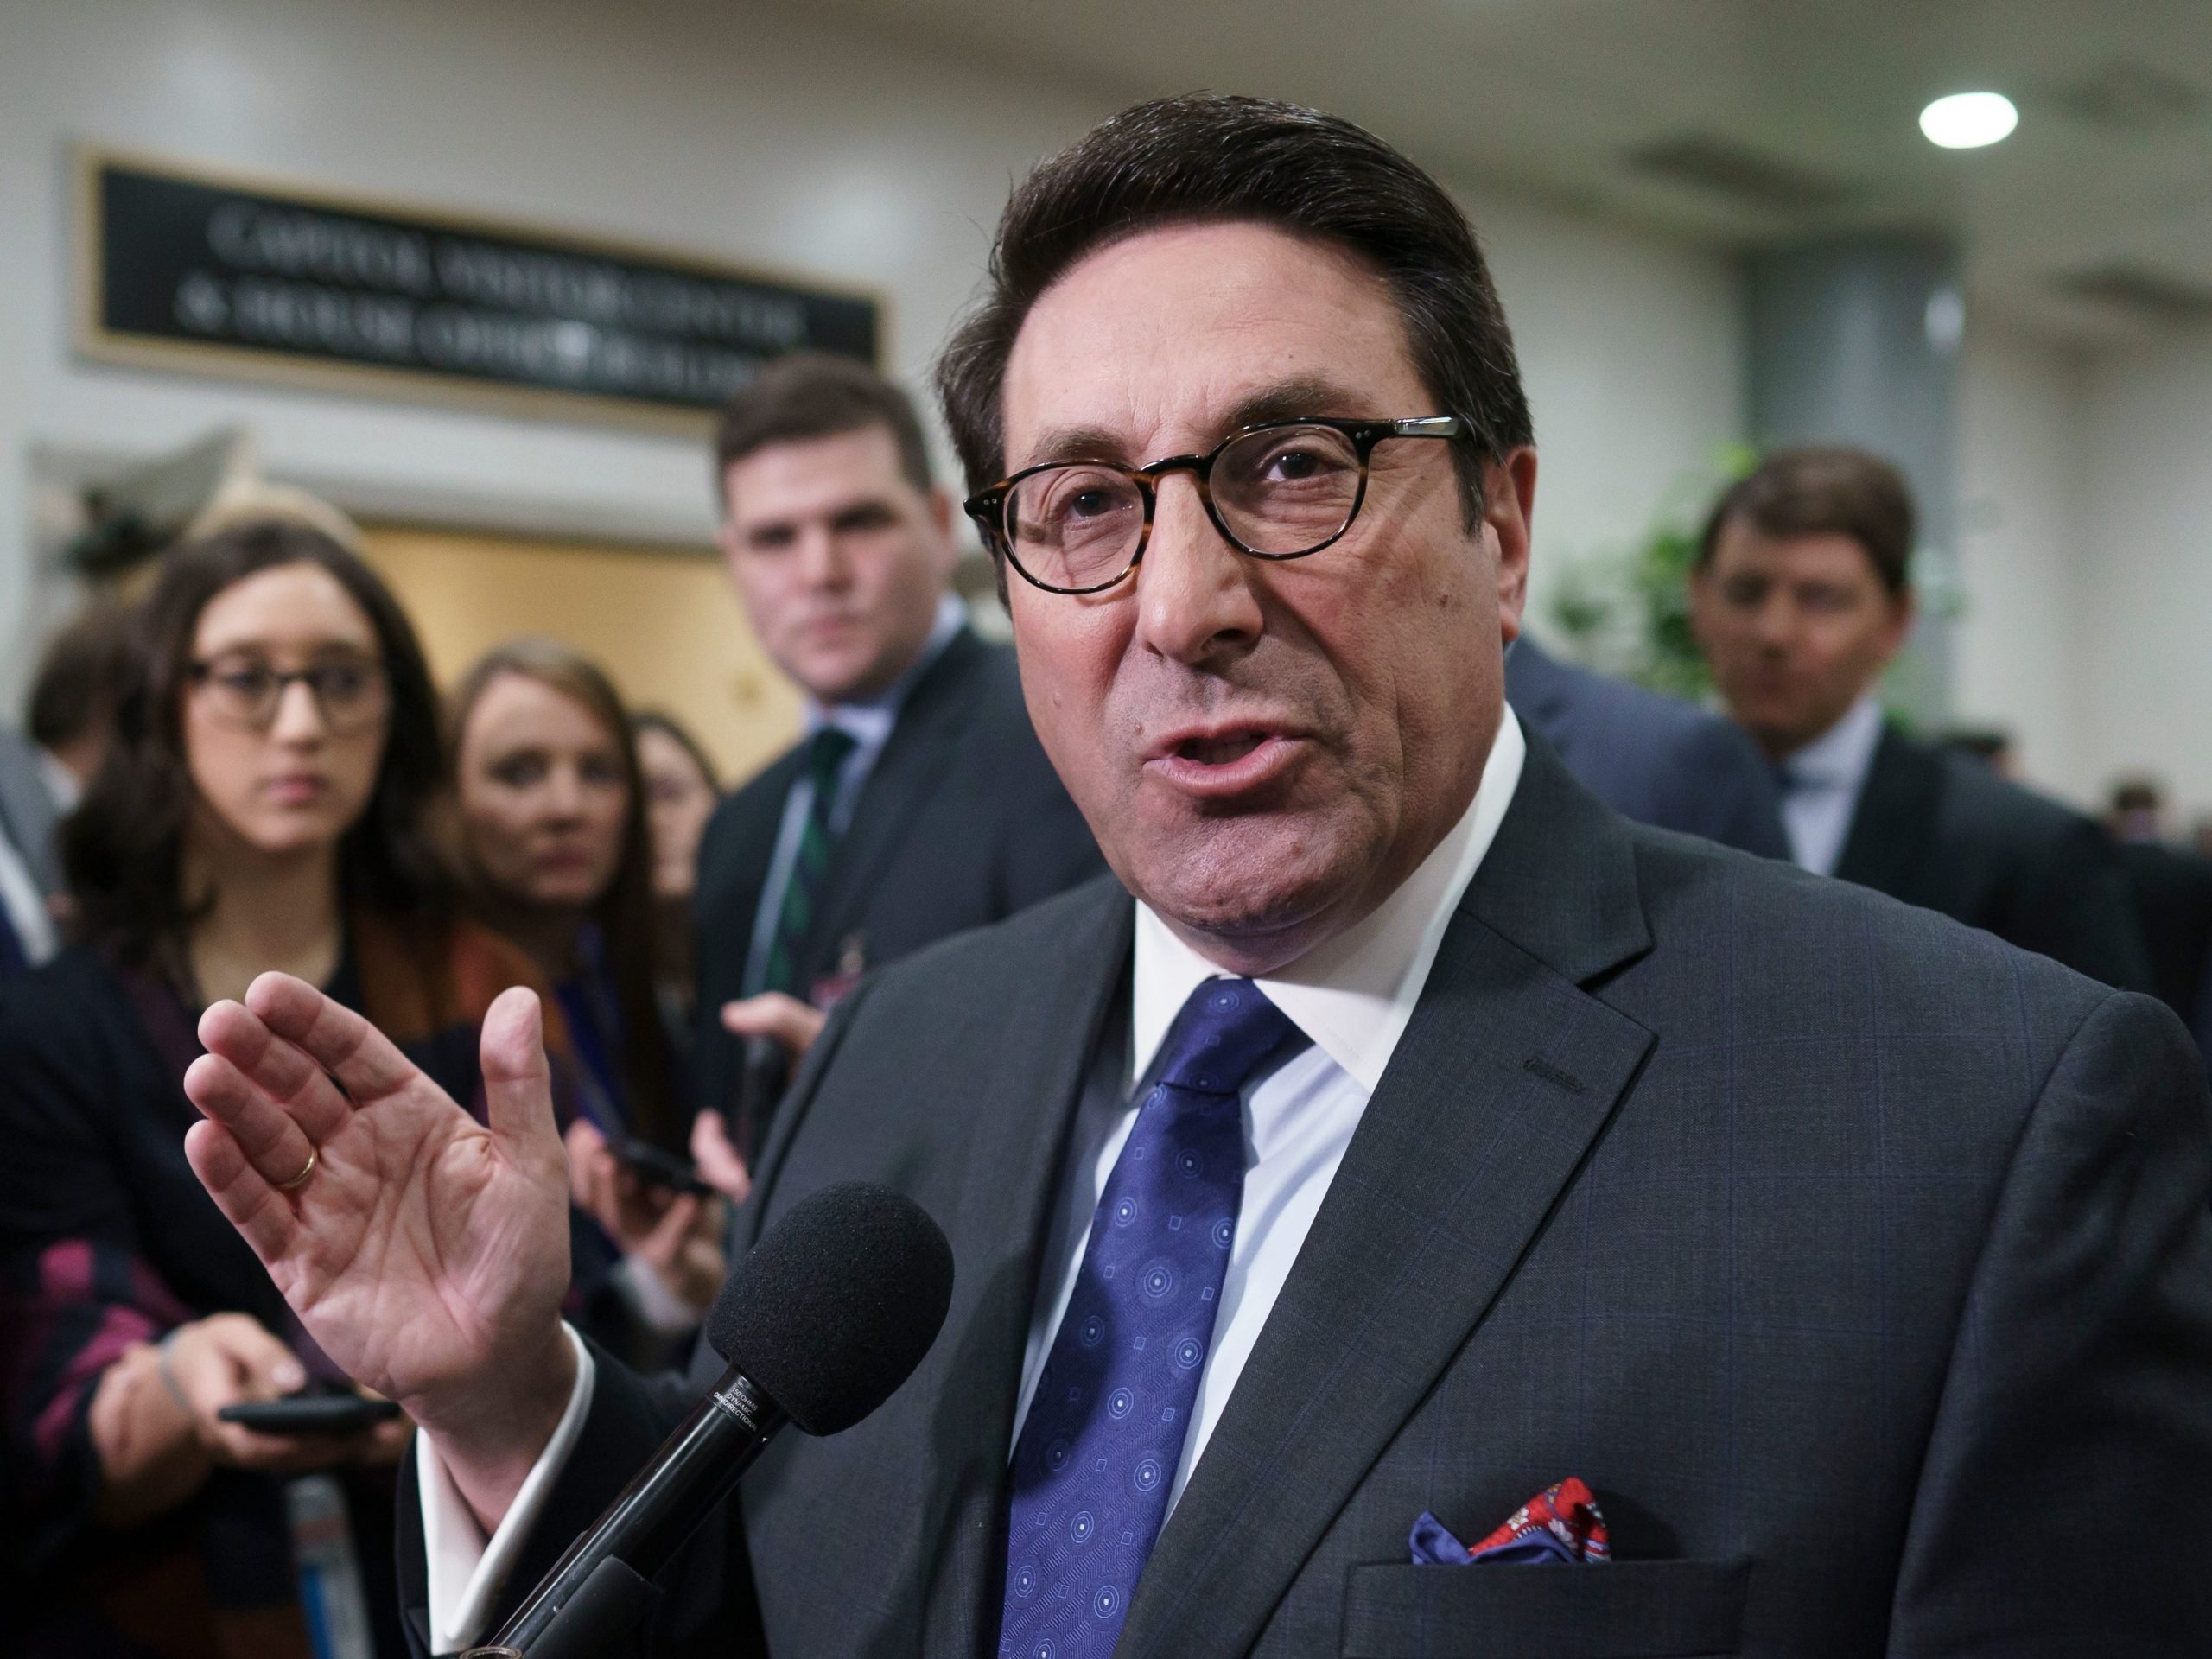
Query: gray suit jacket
{"points": [[1860, 1262], [1653, 759], [27, 811]]}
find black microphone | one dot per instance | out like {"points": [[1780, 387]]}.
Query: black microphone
{"points": [[824, 1319]]}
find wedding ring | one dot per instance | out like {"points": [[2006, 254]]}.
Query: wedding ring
{"points": [[300, 1180]]}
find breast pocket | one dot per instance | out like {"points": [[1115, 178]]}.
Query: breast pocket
{"points": [[1623, 1610]]}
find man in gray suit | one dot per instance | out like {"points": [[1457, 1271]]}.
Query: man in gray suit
{"points": [[72, 708], [1648, 757], [29, 875], [1401, 1132]]}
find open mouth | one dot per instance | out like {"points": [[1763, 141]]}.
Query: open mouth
{"points": [[1219, 751], [1226, 766]]}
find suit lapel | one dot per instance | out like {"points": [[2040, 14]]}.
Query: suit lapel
{"points": [[742, 845], [1506, 1073], [1886, 849], [1004, 1209], [912, 765]]}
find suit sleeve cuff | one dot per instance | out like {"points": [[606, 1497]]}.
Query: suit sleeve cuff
{"points": [[465, 1572]]}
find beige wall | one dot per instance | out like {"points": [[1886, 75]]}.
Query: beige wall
{"points": [[664, 623]]}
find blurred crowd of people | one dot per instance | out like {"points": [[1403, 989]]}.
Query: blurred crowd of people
{"points": [[250, 768]]}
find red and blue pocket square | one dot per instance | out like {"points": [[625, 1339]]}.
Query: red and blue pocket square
{"points": [[1561, 1523]]}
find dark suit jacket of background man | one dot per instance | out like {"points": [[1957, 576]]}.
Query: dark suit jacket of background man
{"points": [[962, 822], [1658, 761], [2173, 904], [1861, 1263], [1943, 830]]}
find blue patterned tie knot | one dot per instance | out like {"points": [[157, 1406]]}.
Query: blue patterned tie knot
{"points": [[1088, 1490], [1227, 1027]]}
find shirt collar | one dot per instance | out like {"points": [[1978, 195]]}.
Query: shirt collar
{"points": [[61, 783], [1838, 758], [870, 721], [1351, 995]]}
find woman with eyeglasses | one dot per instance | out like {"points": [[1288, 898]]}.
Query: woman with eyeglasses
{"points": [[263, 805], [556, 854]]}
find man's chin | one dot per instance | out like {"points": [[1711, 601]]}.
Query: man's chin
{"points": [[1252, 896]]}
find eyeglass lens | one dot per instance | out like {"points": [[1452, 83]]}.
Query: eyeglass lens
{"points": [[1281, 491], [349, 692]]}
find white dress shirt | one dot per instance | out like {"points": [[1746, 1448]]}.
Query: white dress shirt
{"points": [[1821, 784], [466, 1571], [1352, 997], [61, 783], [24, 903]]}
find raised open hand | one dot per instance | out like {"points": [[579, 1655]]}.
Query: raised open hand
{"points": [[427, 1253]]}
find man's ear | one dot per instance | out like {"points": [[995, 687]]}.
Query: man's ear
{"points": [[1904, 609], [1700, 587], [941, 518], [1509, 510]]}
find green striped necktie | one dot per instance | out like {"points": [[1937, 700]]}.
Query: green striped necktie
{"points": [[802, 899]]}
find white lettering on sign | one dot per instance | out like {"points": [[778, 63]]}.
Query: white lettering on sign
{"points": [[293, 242]]}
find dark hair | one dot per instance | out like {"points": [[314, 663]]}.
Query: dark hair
{"points": [[80, 676], [812, 394], [655, 719], [1824, 490], [625, 913], [2138, 795], [1201, 157], [1984, 743], [123, 846]]}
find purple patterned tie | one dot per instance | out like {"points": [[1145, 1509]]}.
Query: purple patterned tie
{"points": [[1089, 1486]]}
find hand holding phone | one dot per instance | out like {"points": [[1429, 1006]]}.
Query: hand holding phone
{"points": [[658, 1166]]}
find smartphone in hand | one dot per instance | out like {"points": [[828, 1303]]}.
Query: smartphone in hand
{"points": [[658, 1166], [311, 1413]]}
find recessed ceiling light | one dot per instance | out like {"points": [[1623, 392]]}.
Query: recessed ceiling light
{"points": [[1969, 120]]}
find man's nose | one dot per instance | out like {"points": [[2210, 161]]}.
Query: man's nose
{"points": [[1195, 593], [1774, 623], [822, 562]]}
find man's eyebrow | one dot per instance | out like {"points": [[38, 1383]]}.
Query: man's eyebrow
{"points": [[1285, 401], [1074, 443], [1307, 394]]}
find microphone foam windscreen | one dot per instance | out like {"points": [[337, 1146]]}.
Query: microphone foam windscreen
{"points": [[835, 1306]]}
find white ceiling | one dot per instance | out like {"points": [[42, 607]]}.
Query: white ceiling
{"points": [[2107, 181]]}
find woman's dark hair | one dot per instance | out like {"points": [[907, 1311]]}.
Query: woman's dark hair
{"points": [[653, 720], [624, 914], [124, 847], [1200, 157]]}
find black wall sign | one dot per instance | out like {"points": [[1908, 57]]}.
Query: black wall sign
{"points": [[191, 270]]}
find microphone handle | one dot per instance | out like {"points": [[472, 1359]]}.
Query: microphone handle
{"points": [[695, 1470]]}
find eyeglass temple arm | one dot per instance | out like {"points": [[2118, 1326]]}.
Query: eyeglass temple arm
{"points": [[1429, 426]]}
